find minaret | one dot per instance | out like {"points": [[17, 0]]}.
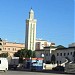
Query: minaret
{"points": [[30, 38]]}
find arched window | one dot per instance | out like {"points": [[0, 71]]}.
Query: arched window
{"points": [[0, 43], [0, 49]]}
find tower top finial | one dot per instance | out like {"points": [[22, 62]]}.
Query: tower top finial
{"points": [[31, 10], [31, 7]]}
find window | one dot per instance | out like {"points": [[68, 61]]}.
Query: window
{"points": [[64, 54], [57, 62], [0, 43], [57, 54], [60, 54], [71, 53], [8, 48], [5, 48], [67, 53], [0, 49], [13, 49]]}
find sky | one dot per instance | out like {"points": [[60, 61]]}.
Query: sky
{"points": [[55, 20]]}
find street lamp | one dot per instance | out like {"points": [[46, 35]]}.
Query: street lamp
{"points": [[42, 55]]}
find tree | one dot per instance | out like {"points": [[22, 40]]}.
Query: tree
{"points": [[25, 53], [4, 55], [53, 59], [33, 55], [29, 54]]}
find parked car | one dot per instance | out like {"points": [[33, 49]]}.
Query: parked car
{"points": [[12, 67], [3, 64], [14, 63], [58, 68]]}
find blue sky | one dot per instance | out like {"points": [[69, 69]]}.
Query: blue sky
{"points": [[55, 20]]}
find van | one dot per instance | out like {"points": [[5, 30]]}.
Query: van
{"points": [[3, 64], [14, 63]]}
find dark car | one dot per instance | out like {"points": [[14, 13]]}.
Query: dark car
{"points": [[12, 67], [58, 68]]}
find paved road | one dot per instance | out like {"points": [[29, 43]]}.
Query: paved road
{"points": [[26, 73]]}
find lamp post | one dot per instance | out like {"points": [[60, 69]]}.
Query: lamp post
{"points": [[42, 55], [30, 63]]}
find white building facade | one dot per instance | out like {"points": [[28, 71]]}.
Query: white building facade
{"points": [[30, 38], [47, 51], [61, 54]]}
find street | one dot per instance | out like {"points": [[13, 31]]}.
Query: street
{"points": [[27, 73]]}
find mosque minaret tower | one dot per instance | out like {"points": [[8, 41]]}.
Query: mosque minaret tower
{"points": [[30, 38]]}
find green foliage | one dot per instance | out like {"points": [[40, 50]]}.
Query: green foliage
{"points": [[34, 54], [25, 53], [29, 53], [20, 60], [4, 55]]}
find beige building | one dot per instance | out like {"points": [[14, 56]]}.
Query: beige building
{"points": [[30, 38], [40, 44], [10, 47]]}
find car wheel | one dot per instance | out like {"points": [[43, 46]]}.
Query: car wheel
{"points": [[5, 70]]}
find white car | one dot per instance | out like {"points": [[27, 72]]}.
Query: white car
{"points": [[3, 64]]}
